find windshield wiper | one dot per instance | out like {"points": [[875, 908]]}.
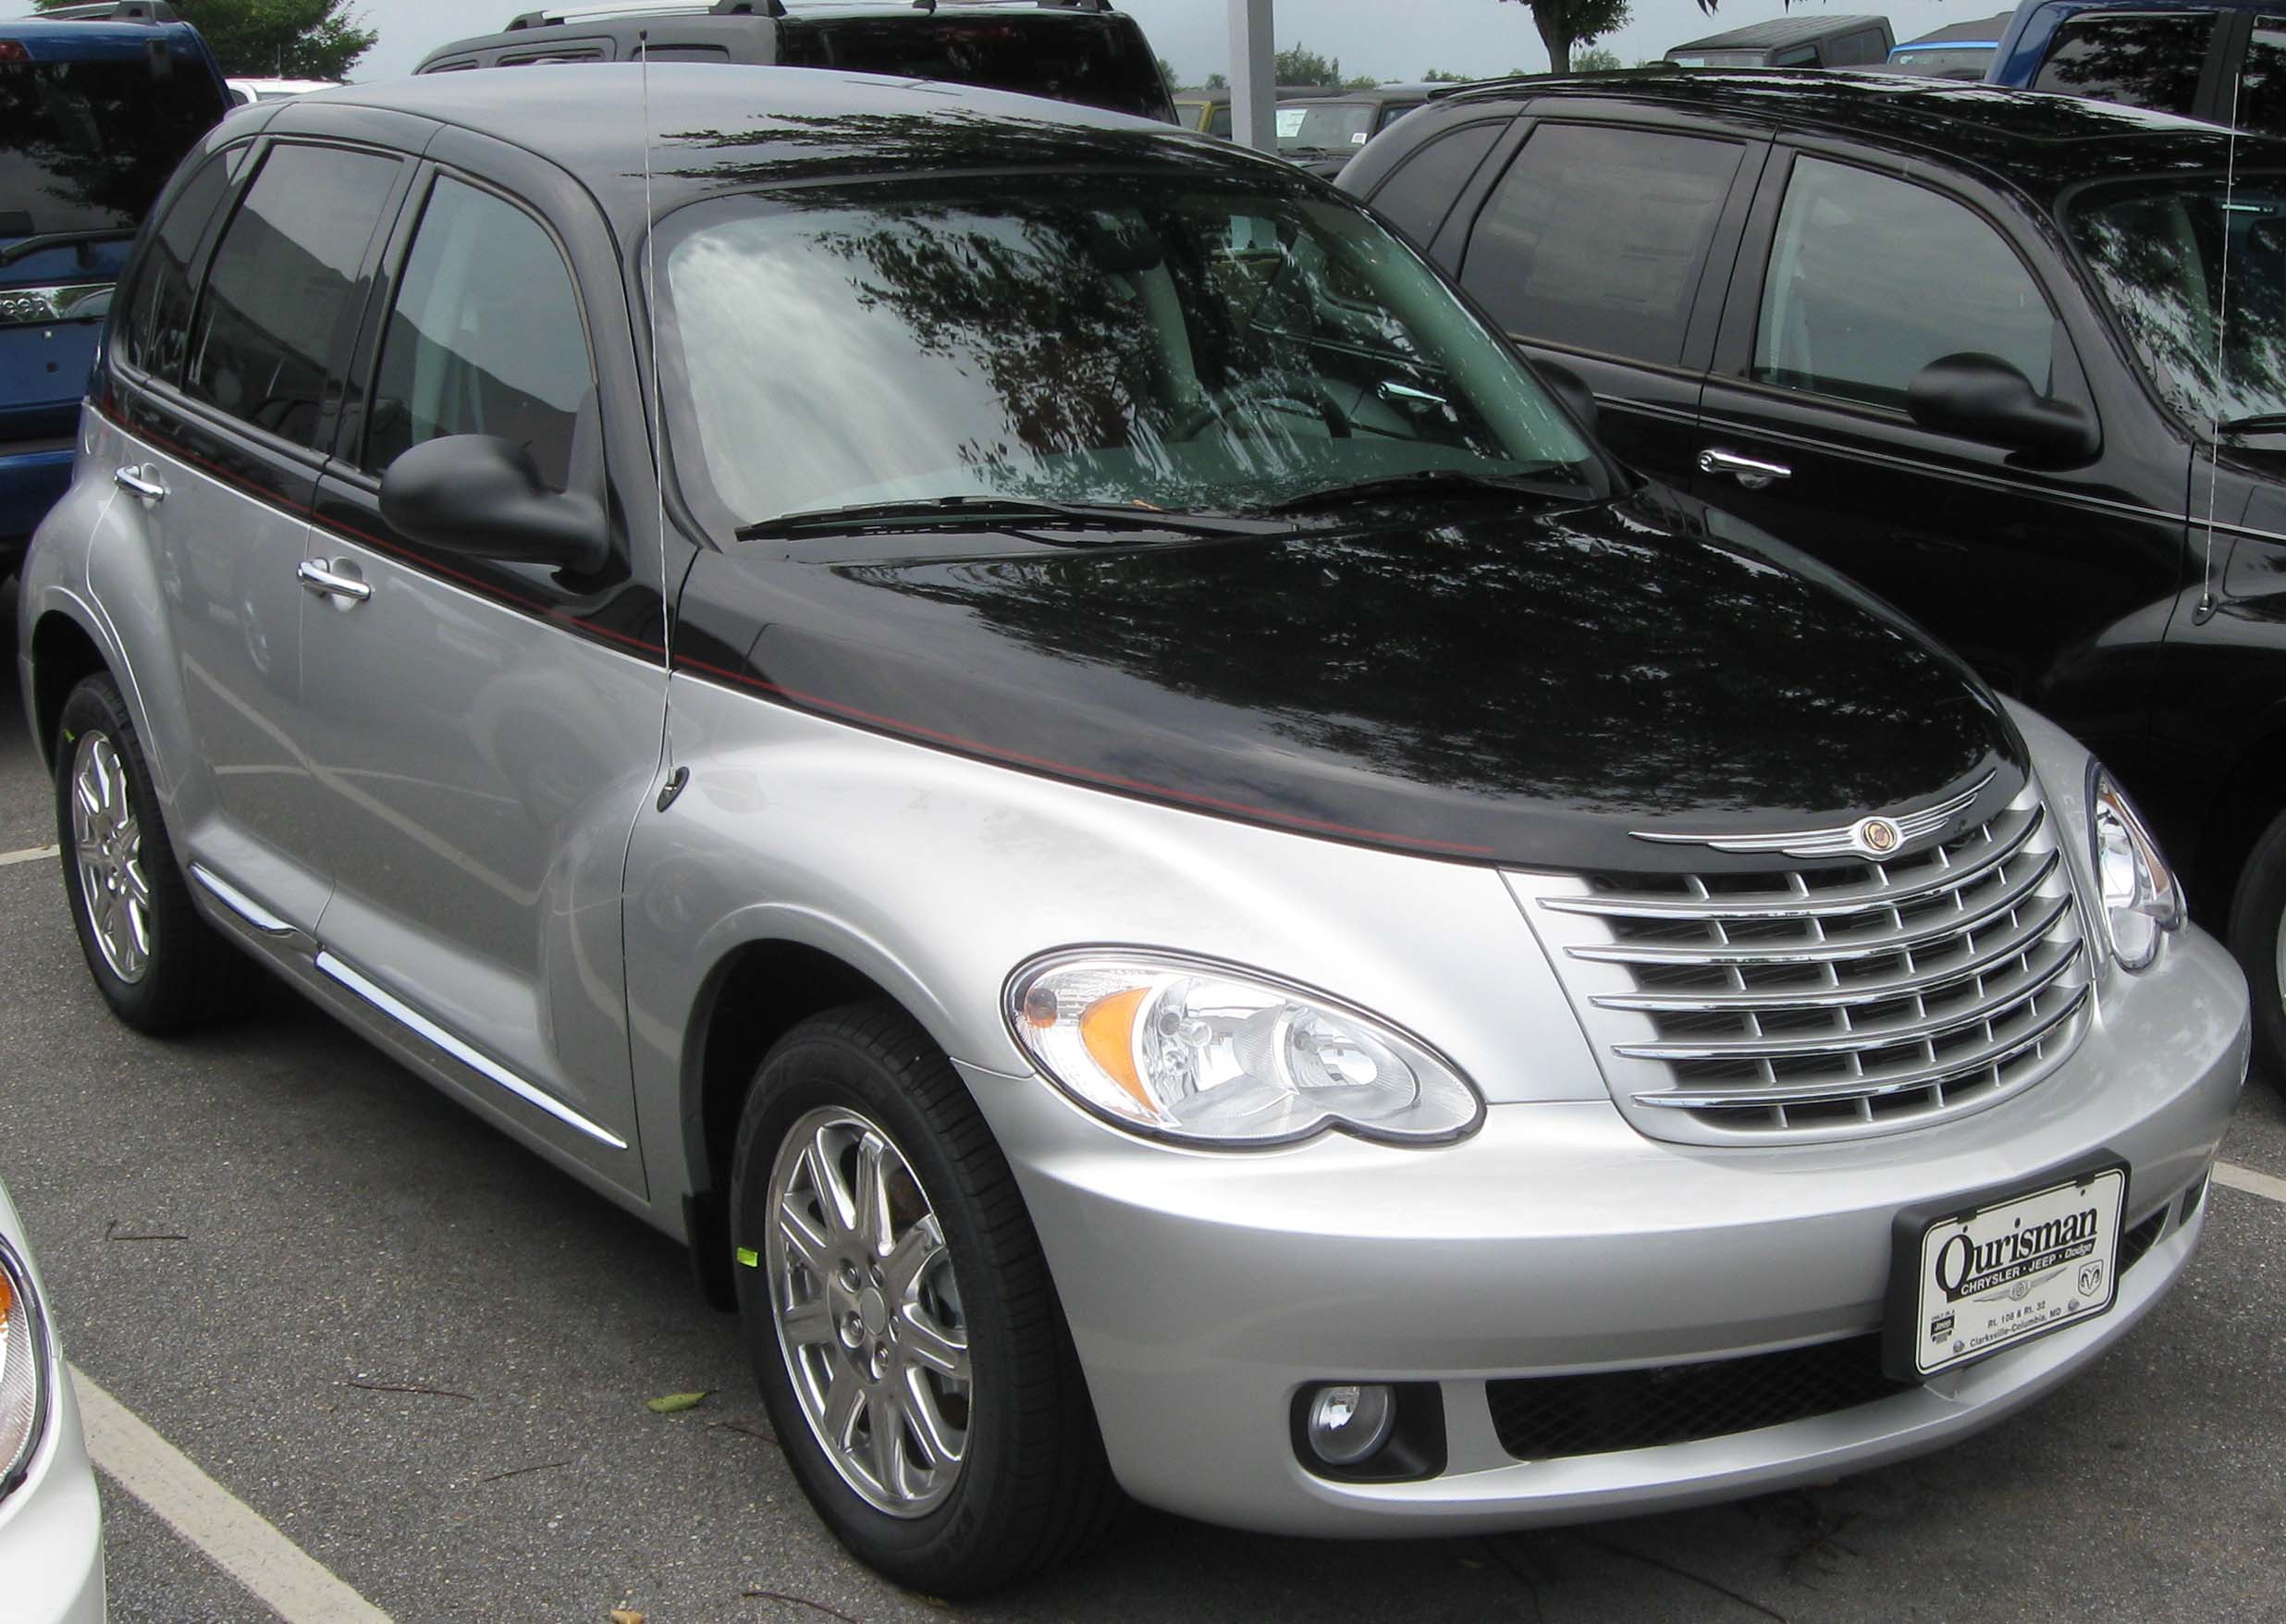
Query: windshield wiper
{"points": [[1522, 482], [2253, 422], [940, 512]]}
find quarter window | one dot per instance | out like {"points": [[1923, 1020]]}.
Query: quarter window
{"points": [[2143, 59], [1596, 237], [280, 298], [484, 336], [159, 309], [1872, 278], [1420, 193]]}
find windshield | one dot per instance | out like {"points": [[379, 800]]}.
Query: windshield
{"points": [[85, 146], [1331, 126], [1180, 343], [1943, 62], [2157, 248]]}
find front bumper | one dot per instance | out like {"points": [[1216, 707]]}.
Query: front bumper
{"points": [[51, 1529], [1205, 1290]]}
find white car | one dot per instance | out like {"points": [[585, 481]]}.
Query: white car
{"points": [[51, 1524]]}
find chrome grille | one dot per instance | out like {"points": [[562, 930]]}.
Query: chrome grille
{"points": [[1813, 1004]]}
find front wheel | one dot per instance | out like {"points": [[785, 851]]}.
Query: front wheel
{"points": [[900, 1317], [2258, 942]]}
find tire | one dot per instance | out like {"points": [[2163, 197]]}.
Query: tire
{"points": [[1028, 1487], [159, 965], [2258, 943]]}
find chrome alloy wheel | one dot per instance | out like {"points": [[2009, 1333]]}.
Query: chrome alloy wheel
{"points": [[868, 1314], [106, 844]]}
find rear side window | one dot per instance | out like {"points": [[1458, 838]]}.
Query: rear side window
{"points": [[484, 338], [1596, 237], [1872, 278], [1418, 193], [158, 311], [280, 296], [2139, 59], [1218, 122], [2262, 84], [682, 53], [88, 145], [1096, 61], [1866, 46]]}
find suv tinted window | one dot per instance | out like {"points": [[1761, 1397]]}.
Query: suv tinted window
{"points": [[2262, 83], [158, 311], [1596, 237], [484, 338], [1419, 192], [1872, 278], [2145, 59], [1097, 61], [87, 146], [279, 298]]}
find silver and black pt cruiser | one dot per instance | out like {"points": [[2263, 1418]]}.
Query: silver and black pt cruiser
{"points": [[1101, 798]]}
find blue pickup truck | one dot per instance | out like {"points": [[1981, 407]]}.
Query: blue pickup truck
{"points": [[2210, 59], [97, 105]]}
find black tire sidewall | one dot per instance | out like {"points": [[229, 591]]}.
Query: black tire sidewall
{"points": [[803, 1074], [96, 706], [2255, 913]]}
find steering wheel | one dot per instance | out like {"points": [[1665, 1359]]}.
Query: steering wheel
{"points": [[1268, 389]]}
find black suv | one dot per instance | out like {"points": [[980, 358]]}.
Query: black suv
{"points": [[1958, 341], [1068, 50]]}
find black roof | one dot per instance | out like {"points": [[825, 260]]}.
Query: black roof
{"points": [[720, 129], [2036, 141], [1782, 31]]}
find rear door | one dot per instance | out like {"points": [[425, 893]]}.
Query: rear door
{"points": [[484, 730], [1853, 278], [233, 401], [1604, 247]]}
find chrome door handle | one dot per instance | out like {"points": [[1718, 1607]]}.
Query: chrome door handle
{"points": [[132, 478], [1747, 471], [320, 579]]}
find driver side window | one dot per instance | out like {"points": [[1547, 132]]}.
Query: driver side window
{"points": [[484, 336]]}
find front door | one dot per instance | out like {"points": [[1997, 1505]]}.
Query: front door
{"points": [[2047, 580], [484, 730]]}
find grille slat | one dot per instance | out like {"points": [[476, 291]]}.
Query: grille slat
{"points": [[1788, 1004]]}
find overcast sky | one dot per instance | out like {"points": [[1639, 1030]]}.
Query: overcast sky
{"points": [[1389, 39]]}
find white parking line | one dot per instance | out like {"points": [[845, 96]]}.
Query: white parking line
{"points": [[2254, 1184], [234, 1536], [28, 854]]}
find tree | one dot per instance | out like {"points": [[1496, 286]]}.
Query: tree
{"points": [[1303, 66], [1166, 71], [1218, 82], [1565, 23], [285, 39], [1595, 59]]}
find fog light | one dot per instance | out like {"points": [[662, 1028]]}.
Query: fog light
{"points": [[1347, 1423]]}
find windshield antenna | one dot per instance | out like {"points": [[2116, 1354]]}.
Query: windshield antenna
{"points": [[676, 776], [2222, 358]]}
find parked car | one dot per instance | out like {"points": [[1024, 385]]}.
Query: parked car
{"points": [[1960, 50], [245, 92], [2200, 58], [98, 103], [1791, 42], [1323, 129], [1078, 51], [1958, 344], [1198, 892], [1207, 112], [51, 1523]]}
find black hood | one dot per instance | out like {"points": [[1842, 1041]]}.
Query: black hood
{"points": [[1466, 679]]}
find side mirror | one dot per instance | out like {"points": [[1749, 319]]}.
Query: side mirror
{"points": [[1982, 398], [1569, 388], [480, 495]]}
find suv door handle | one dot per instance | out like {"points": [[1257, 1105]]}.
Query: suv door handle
{"points": [[132, 479], [1747, 471], [321, 578]]}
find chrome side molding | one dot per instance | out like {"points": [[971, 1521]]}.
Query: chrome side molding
{"points": [[389, 1003], [239, 903]]}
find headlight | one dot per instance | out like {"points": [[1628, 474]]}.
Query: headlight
{"points": [[23, 1372], [1186, 1049], [2141, 900]]}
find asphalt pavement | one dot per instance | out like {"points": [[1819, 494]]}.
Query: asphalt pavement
{"points": [[424, 1356]]}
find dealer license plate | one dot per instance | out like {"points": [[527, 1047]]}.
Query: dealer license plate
{"points": [[2004, 1274]]}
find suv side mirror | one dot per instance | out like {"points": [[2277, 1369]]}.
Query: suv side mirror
{"points": [[1569, 388], [1984, 398], [480, 495]]}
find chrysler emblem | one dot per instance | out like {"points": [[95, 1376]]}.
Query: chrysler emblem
{"points": [[1876, 837]]}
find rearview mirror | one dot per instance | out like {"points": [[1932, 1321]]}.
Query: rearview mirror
{"points": [[1984, 398], [1569, 388], [480, 495]]}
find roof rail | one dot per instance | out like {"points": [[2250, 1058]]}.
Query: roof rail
{"points": [[557, 17], [113, 11]]}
